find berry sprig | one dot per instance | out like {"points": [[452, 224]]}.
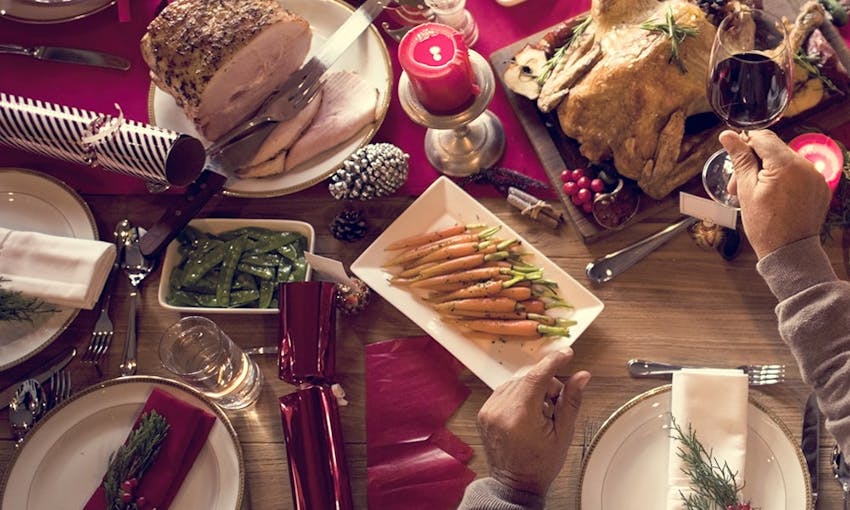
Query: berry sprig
{"points": [[129, 463]]}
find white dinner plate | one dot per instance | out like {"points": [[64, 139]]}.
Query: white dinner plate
{"points": [[367, 57], [444, 204], [27, 11], [63, 459], [36, 202], [626, 465]]}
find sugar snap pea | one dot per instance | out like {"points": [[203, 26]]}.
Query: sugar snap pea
{"points": [[237, 268]]}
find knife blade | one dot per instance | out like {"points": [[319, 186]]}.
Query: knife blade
{"points": [[811, 442], [68, 55], [55, 365]]}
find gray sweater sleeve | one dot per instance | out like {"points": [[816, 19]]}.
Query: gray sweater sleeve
{"points": [[814, 320], [490, 494]]}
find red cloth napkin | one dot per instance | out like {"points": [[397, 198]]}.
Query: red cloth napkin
{"points": [[413, 461], [189, 428]]}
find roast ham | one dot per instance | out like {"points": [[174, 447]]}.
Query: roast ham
{"points": [[220, 59]]}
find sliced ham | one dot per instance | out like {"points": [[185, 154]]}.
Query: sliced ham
{"points": [[285, 134], [220, 59], [348, 105], [264, 168]]}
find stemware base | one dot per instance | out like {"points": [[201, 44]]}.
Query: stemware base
{"points": [[716, 175]]}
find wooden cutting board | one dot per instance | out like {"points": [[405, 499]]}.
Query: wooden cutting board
{"points": [[558, 152]]}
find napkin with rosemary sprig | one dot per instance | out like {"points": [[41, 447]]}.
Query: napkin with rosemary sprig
{"points": [[709, 408]]}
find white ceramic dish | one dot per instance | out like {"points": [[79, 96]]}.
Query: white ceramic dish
{"points": [[444, 204], [33, 12], [65, 456], [37, 202], [367, 57], [217, 226], [626, 465]]}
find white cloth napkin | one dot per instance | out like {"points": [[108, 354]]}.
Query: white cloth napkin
{"points": [[714, 403], [61, 270]]}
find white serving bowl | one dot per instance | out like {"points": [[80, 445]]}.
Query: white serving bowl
{"points": [[217, 226]]}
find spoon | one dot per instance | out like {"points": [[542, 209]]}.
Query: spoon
{"points": [[842, 473], [137, 267], [26, 407]]}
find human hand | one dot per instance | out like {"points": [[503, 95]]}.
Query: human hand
{"points": [[527, 424], [783, 199]]}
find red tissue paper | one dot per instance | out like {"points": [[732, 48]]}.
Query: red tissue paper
{"points": [[189, 428], [413, 461], [317, 468]]}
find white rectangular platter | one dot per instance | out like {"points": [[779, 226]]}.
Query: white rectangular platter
{"points": [[444, 204]]}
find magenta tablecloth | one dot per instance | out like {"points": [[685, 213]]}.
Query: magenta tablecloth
{"points": [[99, 90]]}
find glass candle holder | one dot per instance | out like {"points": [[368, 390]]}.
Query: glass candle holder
{"points": [[463, 143]]}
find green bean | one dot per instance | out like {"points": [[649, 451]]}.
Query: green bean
{"points": [[228, 269], [196, 268], [255, 233], [243, 297], [189, 235], [283, 271], [261, 259], [181, 298], [267, 289], [276, 241], [300, 272], [264, 273]]}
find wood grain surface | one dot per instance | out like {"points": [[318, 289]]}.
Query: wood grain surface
{"points": [[557, 151], [681, 304]]}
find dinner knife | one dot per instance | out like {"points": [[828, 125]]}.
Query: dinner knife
{"points": [[811, 442], [55, 365], [68, 55]]}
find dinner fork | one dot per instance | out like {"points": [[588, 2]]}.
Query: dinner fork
{"points": [[101, 336], [60, 387], [757, 375]]}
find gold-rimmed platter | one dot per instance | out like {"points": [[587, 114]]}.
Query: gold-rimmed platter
{"points": [[36, 202], [63, 459], [368, 57], [626, 463], [28, 11]]}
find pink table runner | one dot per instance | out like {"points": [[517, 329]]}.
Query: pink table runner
{"points": [[99, 90]]}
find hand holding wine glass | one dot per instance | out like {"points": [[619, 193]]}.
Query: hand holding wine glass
{"points": [[749, 84]]}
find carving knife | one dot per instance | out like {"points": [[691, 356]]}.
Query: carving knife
{"points": [[68, 56], [811, 442], [55, 365]]}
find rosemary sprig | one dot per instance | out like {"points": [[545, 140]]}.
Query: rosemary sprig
{"points": [[713, 484], [677, 33], [549, 66], [14, 306], [809, 63], [129, 463]]}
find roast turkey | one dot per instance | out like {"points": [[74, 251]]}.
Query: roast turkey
{"points": [[220, 59], [617, 92]]}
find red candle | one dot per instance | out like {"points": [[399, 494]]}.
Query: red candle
{"points": [[824, 153], [436, 61]]}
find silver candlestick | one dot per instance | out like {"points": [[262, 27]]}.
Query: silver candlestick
{"points": [[461, 144]]}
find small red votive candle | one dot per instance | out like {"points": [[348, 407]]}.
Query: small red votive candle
{"points": [[436, 61], [824, 153]]}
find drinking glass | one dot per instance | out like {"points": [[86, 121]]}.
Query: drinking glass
{"points": [[202, 355], [749, 84]]}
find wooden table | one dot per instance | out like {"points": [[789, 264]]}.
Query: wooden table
{"points": [[681, 304]]}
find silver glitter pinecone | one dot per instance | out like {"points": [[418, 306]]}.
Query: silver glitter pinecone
{"points": [[376, 170]]}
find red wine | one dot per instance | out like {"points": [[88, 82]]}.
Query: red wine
{"points": [[748, 90]]}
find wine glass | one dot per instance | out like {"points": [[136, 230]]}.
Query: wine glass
{"points": [[749, 84]]}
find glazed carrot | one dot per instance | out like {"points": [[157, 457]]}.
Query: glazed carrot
{"points": [[458, 250], [533, 306], [516, 328], [440, 285], [414, 271], [422, 250], [428, 237], [483, 314], [480, 289], [516, 292], [459, 264], [495, 304]]}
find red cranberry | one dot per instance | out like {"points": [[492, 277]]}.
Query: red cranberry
{"points": [[597, 185], [570, 188], [566, 175], [578, 173]]}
